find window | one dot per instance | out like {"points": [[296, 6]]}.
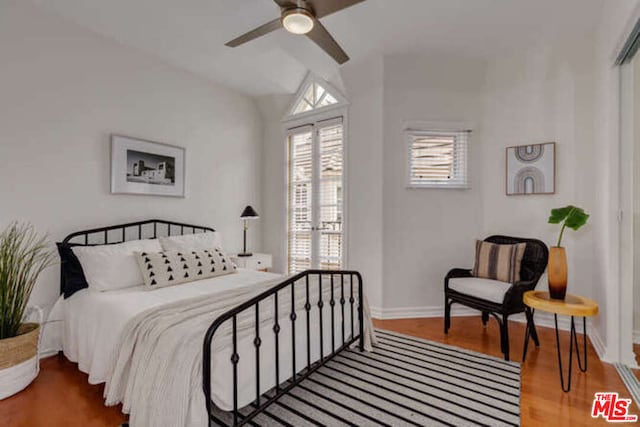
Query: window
{"points": [[317, 191], [437, 159], [314, 95], [315, 196]]}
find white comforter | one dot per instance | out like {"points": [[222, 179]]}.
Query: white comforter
{"points": [[147, 346], [93, 321]]}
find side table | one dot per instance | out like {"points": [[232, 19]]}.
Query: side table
{"points": [[573, 306]]}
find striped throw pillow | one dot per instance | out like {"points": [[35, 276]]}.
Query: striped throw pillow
{"points": [[498, 262]]}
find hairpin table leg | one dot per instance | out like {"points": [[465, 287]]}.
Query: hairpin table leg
{"points": [[584, 343], [573, 339]]}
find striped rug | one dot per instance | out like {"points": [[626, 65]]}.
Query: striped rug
{"points": [[406, 381]]}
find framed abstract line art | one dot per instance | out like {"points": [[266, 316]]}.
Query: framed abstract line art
{"points": [[531, 169], [146, 167]]}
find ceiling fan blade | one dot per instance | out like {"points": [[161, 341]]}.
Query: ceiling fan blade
{"points": [[323, 8], [255, 33], [322, 38], [285, 3]]}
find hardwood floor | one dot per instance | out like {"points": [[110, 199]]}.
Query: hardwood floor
{"points": [[61, 396], [542, 400]]}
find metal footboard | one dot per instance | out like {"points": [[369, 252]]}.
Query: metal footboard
{"points": [[342, 302]]}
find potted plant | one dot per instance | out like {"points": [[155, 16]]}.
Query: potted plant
{"points": [[574, 218], [23, 256]]}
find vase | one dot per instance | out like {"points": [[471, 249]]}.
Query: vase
{"points": [[19, 360], [557, 272]]}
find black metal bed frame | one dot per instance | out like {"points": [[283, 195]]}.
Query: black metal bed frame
{"points": [[261, 402], [281, 389], [103, 235]]}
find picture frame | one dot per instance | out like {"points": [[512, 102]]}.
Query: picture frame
{"points": [[530, 169], [144, 167]]}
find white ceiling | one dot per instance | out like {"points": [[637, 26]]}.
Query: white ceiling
{"points": [[191, 33]]}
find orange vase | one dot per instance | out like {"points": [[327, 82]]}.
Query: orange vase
{"points": [[557, 272]]}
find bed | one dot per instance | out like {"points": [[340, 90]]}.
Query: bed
{"points": [[216, 351]]}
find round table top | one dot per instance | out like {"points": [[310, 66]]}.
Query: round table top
{"points": [[572, 305]]}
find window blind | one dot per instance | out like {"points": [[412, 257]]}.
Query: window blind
{"points": [[300, 199], [437, 159], [330, 139]]}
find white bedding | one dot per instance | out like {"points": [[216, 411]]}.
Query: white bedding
{"points": [[93, 321]]}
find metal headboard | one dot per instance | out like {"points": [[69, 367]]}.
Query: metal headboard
{"points": [[147, 229]]}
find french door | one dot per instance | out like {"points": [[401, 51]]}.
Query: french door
{"points": [[315, 196]]}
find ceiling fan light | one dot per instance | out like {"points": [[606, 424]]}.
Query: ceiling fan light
{"points": [[297, 21]]}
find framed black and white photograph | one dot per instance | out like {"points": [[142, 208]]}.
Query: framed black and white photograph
{"points": [[531, 169], [146, 167]]}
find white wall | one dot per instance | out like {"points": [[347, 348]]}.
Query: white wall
{"points": [[542, 95], [428, 231], [364, 172], [536, 95], [63, 90], [274, 178]]}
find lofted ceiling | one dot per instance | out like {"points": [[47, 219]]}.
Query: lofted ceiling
{"points": [[191, 33]]}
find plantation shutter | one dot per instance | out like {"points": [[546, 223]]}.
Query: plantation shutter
{"points": [[300, 215], [438, 159], [316, 196], [330, 141]]}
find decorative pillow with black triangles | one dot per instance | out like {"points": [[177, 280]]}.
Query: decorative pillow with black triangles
{"points": [[167, 268]]}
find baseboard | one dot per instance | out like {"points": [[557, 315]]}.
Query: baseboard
{"points": [[564, 323], [546, 319], [636, 337], [417, 312], [543, 319], [597, 342]]}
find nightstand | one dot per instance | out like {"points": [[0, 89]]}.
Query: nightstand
{"points": [[260, 262]]}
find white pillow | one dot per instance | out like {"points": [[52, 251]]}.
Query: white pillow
{"points": [[110, 267], [193, 242]]}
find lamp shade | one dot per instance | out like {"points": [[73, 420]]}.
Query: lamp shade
{"points": [[249, 213]]}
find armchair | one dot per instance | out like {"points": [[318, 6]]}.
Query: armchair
{"points": [[498, 299]]}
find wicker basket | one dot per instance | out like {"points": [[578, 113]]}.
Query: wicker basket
{"points": [[20, 348]]}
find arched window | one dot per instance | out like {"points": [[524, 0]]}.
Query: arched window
{"points": [[313, 96], [315, 134]]}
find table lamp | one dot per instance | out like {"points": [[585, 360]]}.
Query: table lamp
{"points": [[247, 214]]}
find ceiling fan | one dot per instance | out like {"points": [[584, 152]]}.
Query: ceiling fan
{"points": [[301, 17]]}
